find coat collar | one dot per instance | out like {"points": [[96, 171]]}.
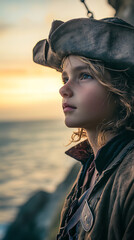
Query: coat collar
{"points": [[83, 151]]}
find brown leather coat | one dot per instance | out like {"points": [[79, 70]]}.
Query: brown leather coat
{"points": [[111, 203]]}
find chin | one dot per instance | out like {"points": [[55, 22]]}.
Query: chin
{"points": [[70, 124], [73, 124]]}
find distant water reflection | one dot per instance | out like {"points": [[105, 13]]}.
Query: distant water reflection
{"points": [[31, 158]]}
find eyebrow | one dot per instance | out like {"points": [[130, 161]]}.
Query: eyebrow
{"points": [[79, 68]]}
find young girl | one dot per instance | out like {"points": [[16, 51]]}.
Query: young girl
{"points": [[97, 65]]}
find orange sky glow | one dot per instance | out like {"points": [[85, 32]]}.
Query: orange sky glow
{"points": [[27, 90]]}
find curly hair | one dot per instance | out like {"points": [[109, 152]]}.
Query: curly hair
{"points": [[120, 87]]}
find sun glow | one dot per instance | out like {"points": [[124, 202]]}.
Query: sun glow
{"points": [[25, 87], [26, 97]]}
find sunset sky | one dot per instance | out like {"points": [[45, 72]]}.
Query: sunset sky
{"points": [[27, 90]]}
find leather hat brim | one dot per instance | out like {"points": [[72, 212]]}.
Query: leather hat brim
{"points": [[108, 40]]}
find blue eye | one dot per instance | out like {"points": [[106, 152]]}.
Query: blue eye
{"points": [[85, 76], [64, 80]]}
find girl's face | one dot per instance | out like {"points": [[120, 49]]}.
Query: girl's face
{"points": [[84, 100]]}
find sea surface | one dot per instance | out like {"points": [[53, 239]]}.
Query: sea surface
{"points": [[31, 158]]}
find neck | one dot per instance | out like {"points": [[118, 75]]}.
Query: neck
{"points": [[93, 140]]}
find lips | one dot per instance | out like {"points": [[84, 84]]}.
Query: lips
{"points": [[68, 107]]}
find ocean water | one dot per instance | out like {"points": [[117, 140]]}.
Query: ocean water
{"points": [[31, 158]]}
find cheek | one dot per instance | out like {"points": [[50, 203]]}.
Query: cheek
{"points": [[95, 100]]}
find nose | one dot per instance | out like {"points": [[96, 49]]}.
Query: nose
{"points": [[66, 90]]}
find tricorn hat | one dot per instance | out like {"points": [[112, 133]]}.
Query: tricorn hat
{"points": [[110, 40]]}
